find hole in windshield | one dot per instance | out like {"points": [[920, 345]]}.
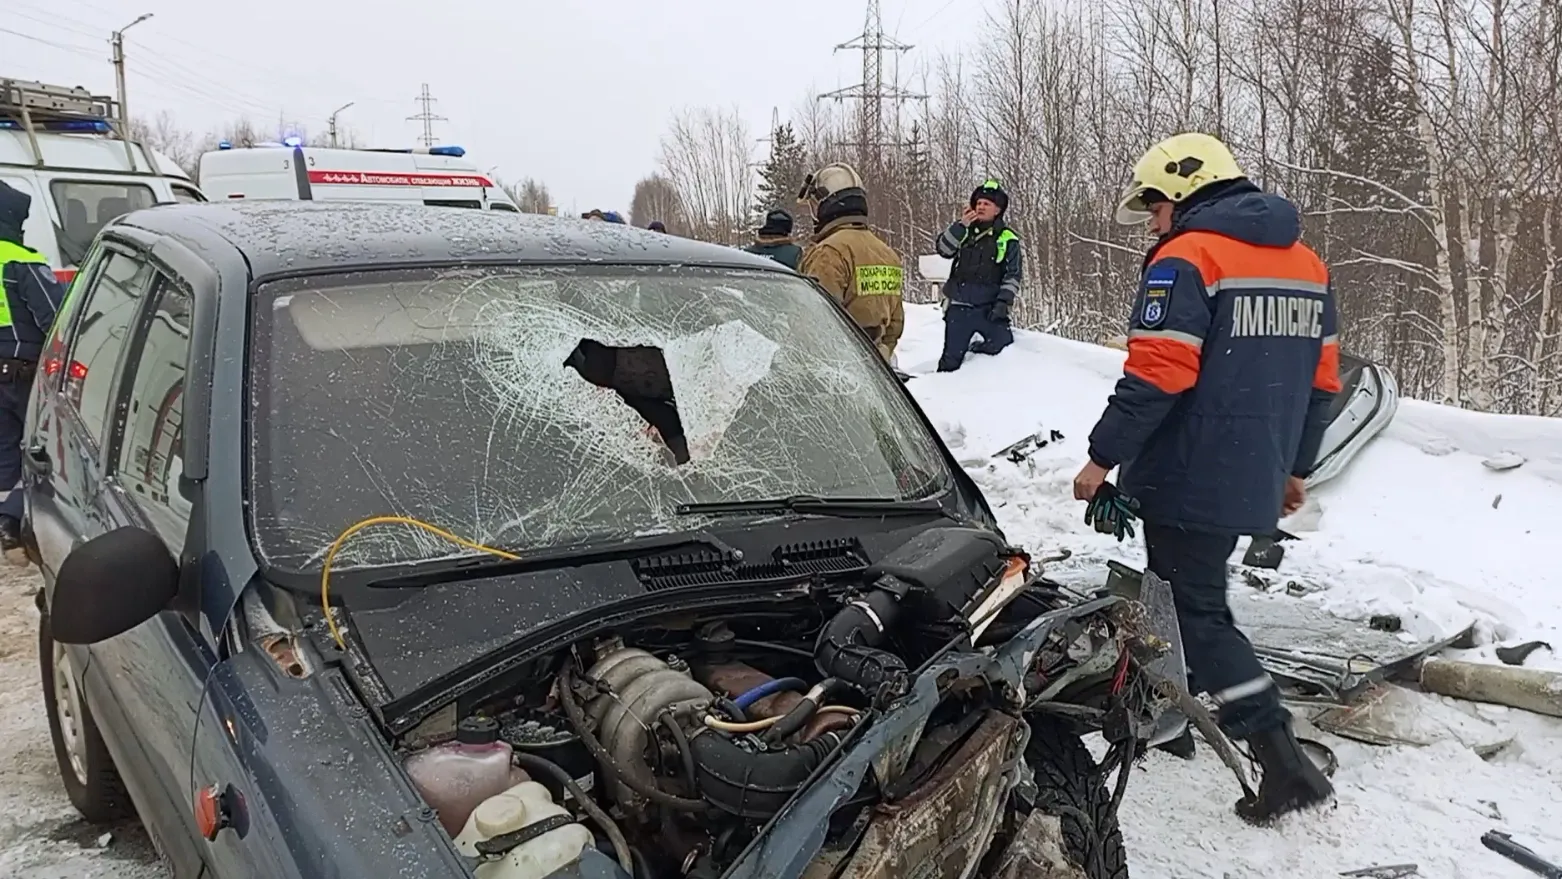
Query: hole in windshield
{"points": [[638, 373]]}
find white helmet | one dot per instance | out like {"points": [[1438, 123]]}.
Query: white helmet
{"points": [[827, 181]]}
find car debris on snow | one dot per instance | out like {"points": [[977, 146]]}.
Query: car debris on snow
{"points": [[1517, 653], [1503, 844], [1387, 871]]}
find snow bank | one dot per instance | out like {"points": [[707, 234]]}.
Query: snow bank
{"points": [[1416, 527], [1439, 430]]}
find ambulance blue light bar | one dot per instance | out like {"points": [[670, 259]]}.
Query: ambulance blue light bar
{"points": [[66, 126], [452, 151]]}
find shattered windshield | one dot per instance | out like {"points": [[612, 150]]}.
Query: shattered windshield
{"points": [[527, 408]]}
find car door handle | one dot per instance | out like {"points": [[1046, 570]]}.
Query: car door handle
{"points": [[37, 461]]}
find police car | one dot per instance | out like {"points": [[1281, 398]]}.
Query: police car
{"points": [[439, 176], [67, 148]]}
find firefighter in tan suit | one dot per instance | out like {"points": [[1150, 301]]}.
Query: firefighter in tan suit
{"points": [[862, 272]]}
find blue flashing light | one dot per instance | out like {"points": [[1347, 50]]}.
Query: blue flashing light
{"points": [[224, 145], [293, 141], [452, 151], [64, 126]]}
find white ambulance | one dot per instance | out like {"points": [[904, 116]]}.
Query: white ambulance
{"points": [[65, 147], [440, 176]]}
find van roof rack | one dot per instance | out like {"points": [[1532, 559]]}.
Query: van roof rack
{"points": [[34, 107]]}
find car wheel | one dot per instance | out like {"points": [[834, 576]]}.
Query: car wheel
{"points": [[91, 782], [1071, 787]]}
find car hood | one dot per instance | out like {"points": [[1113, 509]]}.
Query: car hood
{"points": [[413, 649]]}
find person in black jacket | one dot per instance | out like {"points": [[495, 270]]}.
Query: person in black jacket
{"points": [[984, 279], [32, 297], [774, 239]]}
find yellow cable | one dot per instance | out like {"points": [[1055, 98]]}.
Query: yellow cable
{"points": [[336, 546]]}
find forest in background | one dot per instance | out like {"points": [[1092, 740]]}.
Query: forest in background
{"points": [[1422, 140]]}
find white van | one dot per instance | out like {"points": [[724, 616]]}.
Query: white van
{"points": [[439, 176], [65, 147]]}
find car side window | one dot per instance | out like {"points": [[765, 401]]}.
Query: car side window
{"points": [[151, 451], [108, 311], [53, 360]]}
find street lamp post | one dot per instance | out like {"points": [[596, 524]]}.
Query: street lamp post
{"points": [[333, 121], [118, 42]]}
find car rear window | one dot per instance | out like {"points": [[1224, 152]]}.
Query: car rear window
{"points": [[86, 206], [481, 400]]}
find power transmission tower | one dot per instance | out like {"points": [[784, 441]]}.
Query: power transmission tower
{"points": [[770, 136], [427, 117], [873, 93]]}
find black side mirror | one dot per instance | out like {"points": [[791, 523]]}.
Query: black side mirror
{"points": [[111, 584]]}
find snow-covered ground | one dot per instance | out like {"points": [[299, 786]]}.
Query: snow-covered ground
{"points": [[1418, 527], [41, 836]]}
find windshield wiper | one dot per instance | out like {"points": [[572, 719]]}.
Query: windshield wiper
{"points": [[827, 506], [604, 551]]}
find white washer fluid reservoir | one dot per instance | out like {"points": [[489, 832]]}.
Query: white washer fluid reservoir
{"points": [[522, 806]]}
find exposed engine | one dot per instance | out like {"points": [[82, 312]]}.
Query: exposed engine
{"points": [[694, 731]]}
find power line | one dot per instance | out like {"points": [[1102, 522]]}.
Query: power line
{"points": [[873, 93], [169, 76], [427, 117]]}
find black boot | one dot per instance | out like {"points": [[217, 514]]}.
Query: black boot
{"points": [[1291, 780], [11, 541], [1181, 746]]}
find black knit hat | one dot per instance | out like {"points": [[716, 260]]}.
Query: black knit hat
{"points": [[778, 224], [992, 191]]}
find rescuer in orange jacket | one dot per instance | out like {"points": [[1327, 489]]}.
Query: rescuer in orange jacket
{"points": [[1232, 363]]}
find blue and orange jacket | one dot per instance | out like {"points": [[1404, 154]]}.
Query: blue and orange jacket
{"points": [[1233, 359]]}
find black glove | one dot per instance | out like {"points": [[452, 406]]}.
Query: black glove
{"points": [[998, 313], [1112, 512]]}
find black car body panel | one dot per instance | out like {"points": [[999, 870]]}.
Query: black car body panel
{"points": [[188, 701]]}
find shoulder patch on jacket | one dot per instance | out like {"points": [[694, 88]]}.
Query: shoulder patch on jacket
{"points": [[1158, 284]]}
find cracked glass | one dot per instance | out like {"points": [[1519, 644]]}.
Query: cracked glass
{"points": [[542, 407]]}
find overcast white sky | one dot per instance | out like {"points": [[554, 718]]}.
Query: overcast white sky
{"points": [[574, 93]]}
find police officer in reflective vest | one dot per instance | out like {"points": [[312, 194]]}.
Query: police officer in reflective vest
{"points": [[31, 299], [1232, 363], [849, 261], [984, 279]]}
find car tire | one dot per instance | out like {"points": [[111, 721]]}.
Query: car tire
{"points": [[87, 771], [1070, 786]]}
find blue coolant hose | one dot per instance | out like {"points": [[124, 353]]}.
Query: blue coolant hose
{"points": [[769, 688]]}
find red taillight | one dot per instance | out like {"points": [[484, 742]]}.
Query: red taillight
{"points": [[78, 370], [51, 365], [65, 276]]}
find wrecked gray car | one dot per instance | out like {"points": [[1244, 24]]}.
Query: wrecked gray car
{"points": [[451, 543]]}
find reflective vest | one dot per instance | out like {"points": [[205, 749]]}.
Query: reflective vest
{"points": [[12, 252], [980, 260]]}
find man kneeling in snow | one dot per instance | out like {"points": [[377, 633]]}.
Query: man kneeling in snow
{"points": [[1232, 363], [983, 280]]}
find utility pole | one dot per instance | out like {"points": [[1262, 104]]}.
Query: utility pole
{"points": [[427, 117], [332, 127], [872, 93], [118, 43]]}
